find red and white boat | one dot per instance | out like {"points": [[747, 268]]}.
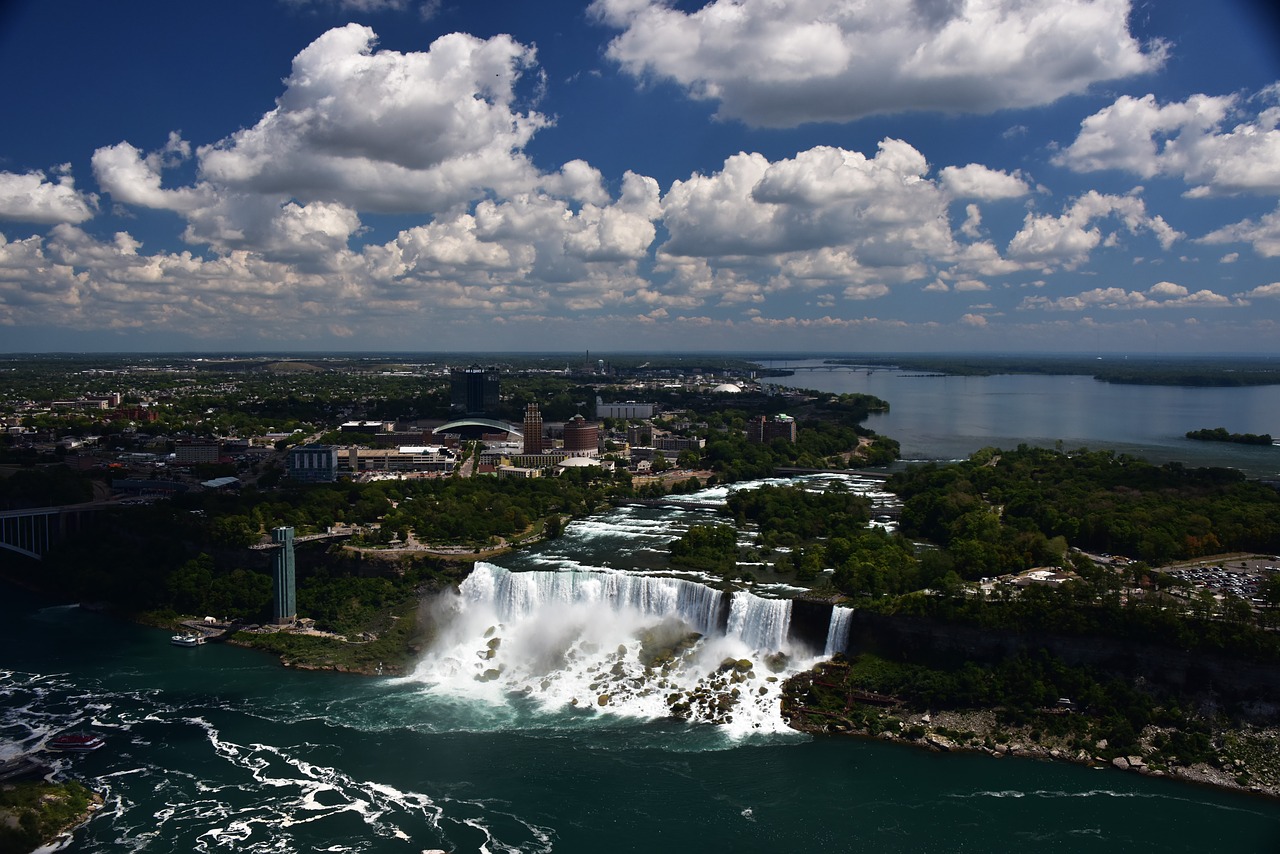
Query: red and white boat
{"points": [[75, 743]]}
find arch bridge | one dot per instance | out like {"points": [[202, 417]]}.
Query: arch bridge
{"points": [[33, 531]]}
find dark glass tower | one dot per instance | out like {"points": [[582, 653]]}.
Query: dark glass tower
{"points": [[285, 605], [474, 390]]}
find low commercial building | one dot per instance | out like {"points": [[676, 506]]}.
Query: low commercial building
{"points": [[668, 444], [538, 461], [629, 410], [369, 427], [195, 453], [518, 471], [406, 458]]}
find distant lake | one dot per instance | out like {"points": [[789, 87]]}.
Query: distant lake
{"points": [[945, 417]]}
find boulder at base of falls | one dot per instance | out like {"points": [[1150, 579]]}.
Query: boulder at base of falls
{"points": [[776, 662]]}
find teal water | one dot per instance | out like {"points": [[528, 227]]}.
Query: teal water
{"points": [[950, 417], [221, 749]]}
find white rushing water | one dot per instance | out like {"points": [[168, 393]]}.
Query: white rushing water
{"points": [[616, 643], [838, 631]]}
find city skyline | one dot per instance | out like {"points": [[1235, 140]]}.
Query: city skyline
{"points": [[365, 175]]}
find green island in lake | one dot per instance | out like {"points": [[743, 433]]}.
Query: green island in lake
{"points": [[1220, 434]]}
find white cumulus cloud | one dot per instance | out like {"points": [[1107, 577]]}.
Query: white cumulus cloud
{"points": [[1194, 140], [976, 181], [1263, 235], [1159, 295], [782, 64], [1271, 291], [1068, 239], [388, 131], [32, 197]]}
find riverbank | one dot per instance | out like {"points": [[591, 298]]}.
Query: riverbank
{"points": [[1241, 756], [38, 813]]}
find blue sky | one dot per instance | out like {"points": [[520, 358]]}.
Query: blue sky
{"points": [[905, 175]]}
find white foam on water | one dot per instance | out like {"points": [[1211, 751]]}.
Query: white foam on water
{"points": [[614, 526]]}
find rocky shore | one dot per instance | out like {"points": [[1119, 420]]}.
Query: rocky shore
{"points": [[1245, 757], [36, 813]]}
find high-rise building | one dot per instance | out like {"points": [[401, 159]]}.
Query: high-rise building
{"points": [[581, 437], [284, 606], [474, 390], [762, 431], [532, 429]]}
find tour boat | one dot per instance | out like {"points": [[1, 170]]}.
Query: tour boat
{"points": [[187, 640], [75, 743]]}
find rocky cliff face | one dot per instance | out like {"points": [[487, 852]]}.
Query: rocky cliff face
{"points": [[920, 639]]}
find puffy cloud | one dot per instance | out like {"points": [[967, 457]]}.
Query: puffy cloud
{"points": [[975, 181], [133, 178], [532, 247], [1069, 238], [827, 218], [311, 235], [1263, 235], [388, 131], [579, 180], [1186, 139], [783, 64], [31, 197], [974, 320], [880, 211], [77, 281], [357, 130], [983, 259], [1159, 295], [1271, 291]]}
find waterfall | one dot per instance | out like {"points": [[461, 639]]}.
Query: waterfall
{"points": [[521, 594], [838, 631], [759, 623], [612, 643]]}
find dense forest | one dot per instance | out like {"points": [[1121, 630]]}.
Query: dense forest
{"points": [[1003, 511]]}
